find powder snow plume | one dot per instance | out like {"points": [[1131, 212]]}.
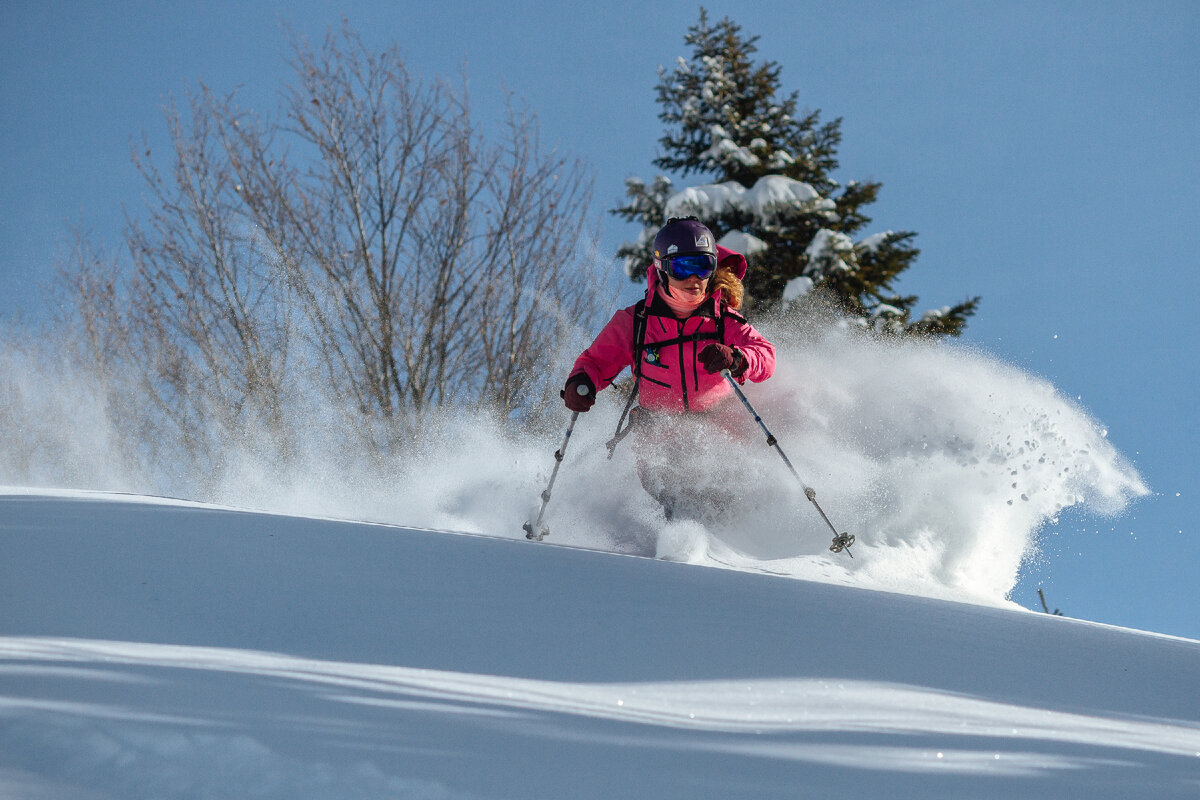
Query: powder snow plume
{"points": [[944, 463], [947, 461]]}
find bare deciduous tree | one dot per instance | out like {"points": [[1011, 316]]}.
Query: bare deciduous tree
{"points": [[371, 245], [209, 308]]}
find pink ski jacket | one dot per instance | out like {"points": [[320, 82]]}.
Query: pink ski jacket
{"points": [[672, 378]]}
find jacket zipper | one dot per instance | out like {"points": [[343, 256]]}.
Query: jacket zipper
{"points": [[682, 365], [695, 369]]}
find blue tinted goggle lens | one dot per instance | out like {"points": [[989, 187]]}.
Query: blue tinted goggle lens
{"points": [[700, 265]]}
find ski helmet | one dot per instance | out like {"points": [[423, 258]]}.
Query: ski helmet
{"points": [[683, 236]]}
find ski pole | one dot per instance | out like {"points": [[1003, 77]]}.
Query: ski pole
{"points": [[536, 531], [841, 541]]}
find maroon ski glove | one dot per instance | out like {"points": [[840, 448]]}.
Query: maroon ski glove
{"points": [[579, 394], [717, 357]]}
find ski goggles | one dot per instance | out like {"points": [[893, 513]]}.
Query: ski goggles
{"points": [[699, 265]]}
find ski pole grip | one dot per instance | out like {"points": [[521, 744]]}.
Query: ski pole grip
{"points": [[581, 389]]}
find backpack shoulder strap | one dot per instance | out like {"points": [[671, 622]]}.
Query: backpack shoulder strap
{"points": [[729, 312], [639, 346], [639, 336]]}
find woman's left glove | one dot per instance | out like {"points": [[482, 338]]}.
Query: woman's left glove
{"points": [[717, 357]]}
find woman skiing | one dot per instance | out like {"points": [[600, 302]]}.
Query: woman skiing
{"points": [[677, 341]]}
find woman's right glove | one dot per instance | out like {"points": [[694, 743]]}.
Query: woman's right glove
{"points": [[579, 394]]}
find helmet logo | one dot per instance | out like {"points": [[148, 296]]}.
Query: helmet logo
{"points": [[672, 249], [703, 242]]}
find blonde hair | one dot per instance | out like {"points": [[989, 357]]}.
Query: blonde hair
{"points": [[731, 288]]}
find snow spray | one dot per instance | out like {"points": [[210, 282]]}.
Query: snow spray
{"points": [[943, 461]]}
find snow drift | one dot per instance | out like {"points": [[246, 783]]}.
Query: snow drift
{"points": [[151, 649]]}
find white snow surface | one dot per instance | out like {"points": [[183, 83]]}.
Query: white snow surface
{"points": [[158, 649], [830, 246], [875, 241], [770, 198], [797, 288], [747, 244]]}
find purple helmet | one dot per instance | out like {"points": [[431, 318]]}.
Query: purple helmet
{"points": [[682, 236]]}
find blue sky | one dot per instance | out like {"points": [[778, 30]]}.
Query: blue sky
{"points": [[1048, 154]]}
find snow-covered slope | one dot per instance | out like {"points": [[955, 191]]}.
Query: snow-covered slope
{"points": [[173, 650]]}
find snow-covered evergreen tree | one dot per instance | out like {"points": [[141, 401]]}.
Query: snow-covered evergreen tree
{"points": [[771, 193]]}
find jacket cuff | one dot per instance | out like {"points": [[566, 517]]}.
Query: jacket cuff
{"points": [[739, 364]]}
